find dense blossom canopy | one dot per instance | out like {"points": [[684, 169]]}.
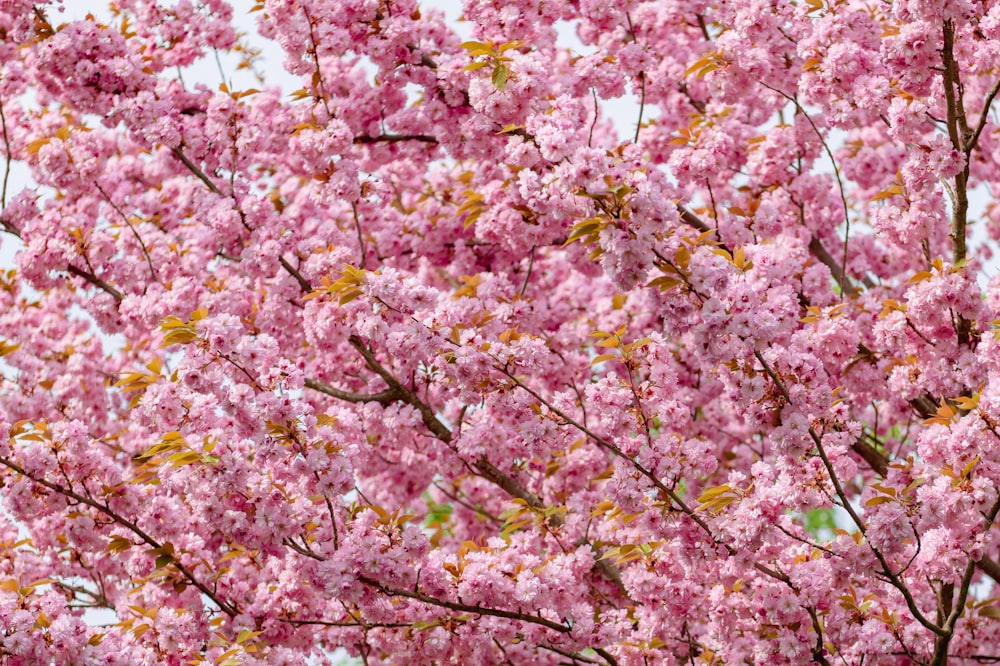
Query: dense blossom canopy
{"points": [[429, 362]]}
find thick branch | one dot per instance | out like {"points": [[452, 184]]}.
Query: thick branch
{"points": [[483, 466], [989, 567], [465, 608], [303, 283], [491, 473], [958, 132], [692, 220], [395, 138], [425, 59], [73, 270], [616, 451], [382, 397], [96, 281], [956, 609], [439, 429], [193, 168], [363, 625], [836, 270], [877, 460], [893, 578], [397, 391]]}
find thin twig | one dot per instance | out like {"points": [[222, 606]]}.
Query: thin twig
{"points": [[836, 172], [303, 283], [193, 168], [642, 82], [846, 505], [642, 106], [314, 51], [226, 607], [527, 276], [593, 123], [688, 511], [96, 281], [973, 140], [361, 238], [7, 155], [128, 223], [940, 657], [465, 608], [395, 138], [363, 625]]}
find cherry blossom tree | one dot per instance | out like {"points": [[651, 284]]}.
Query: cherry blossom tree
{"points": [[429, 363]]}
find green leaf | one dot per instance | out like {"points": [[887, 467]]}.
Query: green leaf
{"points": [[665, 283], [478, 49], [500, 77], [119, 544]]}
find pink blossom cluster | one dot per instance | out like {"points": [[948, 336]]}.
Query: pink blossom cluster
{"points": [[429, 361]]}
